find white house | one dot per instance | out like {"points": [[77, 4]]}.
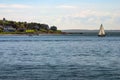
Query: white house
{"points": [[9, 29]]}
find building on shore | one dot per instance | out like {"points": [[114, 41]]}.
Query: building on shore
{"points": [[9, 29]]}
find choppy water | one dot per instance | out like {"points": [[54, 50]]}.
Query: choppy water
{"points": [[59, 58]]}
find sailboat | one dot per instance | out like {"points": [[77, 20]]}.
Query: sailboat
{"points": [[101, 31]]}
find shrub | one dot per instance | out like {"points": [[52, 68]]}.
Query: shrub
{"points": [[30, 31]]}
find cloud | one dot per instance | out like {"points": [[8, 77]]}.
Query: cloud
{"points": [[88, 13], [91, 19], [3, 6], [63, 16], [18, 6], [67, 7]]}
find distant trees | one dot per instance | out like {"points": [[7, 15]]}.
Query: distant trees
{"points": [[1, 28], [22, 26], [26, 25], [54, 28], [1, 22], [44, 26], [4, 19]]}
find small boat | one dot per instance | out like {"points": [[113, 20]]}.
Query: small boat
{"points": [[101, 31]]}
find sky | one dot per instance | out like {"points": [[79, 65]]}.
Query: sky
{"points": [[65, 14]]}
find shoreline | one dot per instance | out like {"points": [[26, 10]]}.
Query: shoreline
{"points": [[29, 34], [63, 33]]}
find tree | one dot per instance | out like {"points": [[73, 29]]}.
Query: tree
{"points": [[1, 30], [44, 26], [4, 19], [54, 28], [1, 22]]}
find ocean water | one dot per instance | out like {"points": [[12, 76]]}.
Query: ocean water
{"points": [[59, 57]]}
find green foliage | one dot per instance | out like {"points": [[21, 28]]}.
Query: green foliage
{"points": [[1, 22], [30, 31], [43, 30], [51, 31], [59, 31], [28, 27], [54, 28], [44, 26], [1, 30]]}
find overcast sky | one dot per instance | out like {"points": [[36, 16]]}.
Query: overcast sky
{"points": [[65, 14]]}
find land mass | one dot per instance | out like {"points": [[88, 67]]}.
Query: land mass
{"points": [[13, 27], [91, 32]]}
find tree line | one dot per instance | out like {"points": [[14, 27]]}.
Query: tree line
{"points": [[23, 26]]}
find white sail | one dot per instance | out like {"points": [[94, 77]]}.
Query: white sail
{"points": [[101, 32]]}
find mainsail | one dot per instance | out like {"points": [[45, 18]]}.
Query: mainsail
{"points": [[101, 32]]}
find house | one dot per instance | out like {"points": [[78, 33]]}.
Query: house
{"points": [[1, 27], [9, 29]]}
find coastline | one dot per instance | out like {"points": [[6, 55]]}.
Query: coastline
{"points": [[41, 34], [94, 33]]}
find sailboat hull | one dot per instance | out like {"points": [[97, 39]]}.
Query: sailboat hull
{"points": [[101, 35]]}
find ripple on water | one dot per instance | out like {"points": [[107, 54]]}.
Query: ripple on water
{"points": [[59, 58]]}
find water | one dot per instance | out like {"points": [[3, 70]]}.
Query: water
{"points": [[59, 58]]}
